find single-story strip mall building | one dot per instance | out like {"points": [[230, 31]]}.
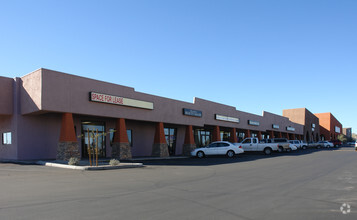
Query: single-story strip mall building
{"points": [[48, 114]]}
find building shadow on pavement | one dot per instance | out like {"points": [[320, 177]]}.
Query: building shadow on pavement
{"points": [[241, 158]]}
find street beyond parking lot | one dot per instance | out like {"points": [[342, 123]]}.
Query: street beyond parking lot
{"points": [[310, 184]]}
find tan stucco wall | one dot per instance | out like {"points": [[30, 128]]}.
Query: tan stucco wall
{"points": [[31, 92], [59, 92], [296, 115]]}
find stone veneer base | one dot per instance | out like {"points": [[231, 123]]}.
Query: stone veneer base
{"points": [[187, 148], [121, 151], [66, 150], [160, 150]]}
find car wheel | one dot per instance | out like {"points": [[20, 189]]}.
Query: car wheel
{"points": [[280, 149], [318, 146], [267, 151], [288, 150], [230, 154], [200, 154], [304, 147]]}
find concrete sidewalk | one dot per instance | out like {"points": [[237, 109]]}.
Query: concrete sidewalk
{"points": [[101, 166]]}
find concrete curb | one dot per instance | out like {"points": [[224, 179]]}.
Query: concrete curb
{"points": [[159, 158], [100, 167]]}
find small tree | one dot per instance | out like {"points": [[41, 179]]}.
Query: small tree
{"points": [[342, 138]]}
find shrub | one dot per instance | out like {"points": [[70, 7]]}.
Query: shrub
{"points": [[114, 162], [73, 161]]}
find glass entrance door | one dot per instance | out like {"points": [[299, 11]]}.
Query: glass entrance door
{"points": [[93, 127], [170, 135]]}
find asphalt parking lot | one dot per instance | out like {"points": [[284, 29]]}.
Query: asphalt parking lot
{"points": [[310, 184]]}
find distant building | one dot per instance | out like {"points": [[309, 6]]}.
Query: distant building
{"points": [[347, 132]]}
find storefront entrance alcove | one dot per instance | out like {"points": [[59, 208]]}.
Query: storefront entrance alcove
{"points": [[93, 126]]}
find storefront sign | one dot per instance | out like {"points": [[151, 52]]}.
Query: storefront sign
{"points": [[276, 126], [337, 129], [191, 112], [255, 123], [226, 118], [290, 129], [116, 100]]}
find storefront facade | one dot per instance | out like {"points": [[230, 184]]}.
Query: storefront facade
{"points": [[347, 132], [48, 114]]}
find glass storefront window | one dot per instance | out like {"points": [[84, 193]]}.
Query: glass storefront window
{"points": [[129, 132], [130, 137], [225, 135], [240, 136], [6, 138], [170, 136], [202, 137]]}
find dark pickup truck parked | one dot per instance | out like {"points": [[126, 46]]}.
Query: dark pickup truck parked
{"points": [[336, 143]]}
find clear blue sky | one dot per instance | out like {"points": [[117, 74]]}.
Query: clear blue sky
{"points": [[254, 55]]}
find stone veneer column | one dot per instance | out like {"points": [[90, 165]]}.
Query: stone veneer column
{"points": [[160, 147], [68, 145], [121, 148], [189, 144], [233, 136], [216, 136]]}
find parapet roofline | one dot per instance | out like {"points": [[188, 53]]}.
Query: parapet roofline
{"points": [[274, 114], [196, 100], [229, 106], [45, 69], [293, 109]]}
